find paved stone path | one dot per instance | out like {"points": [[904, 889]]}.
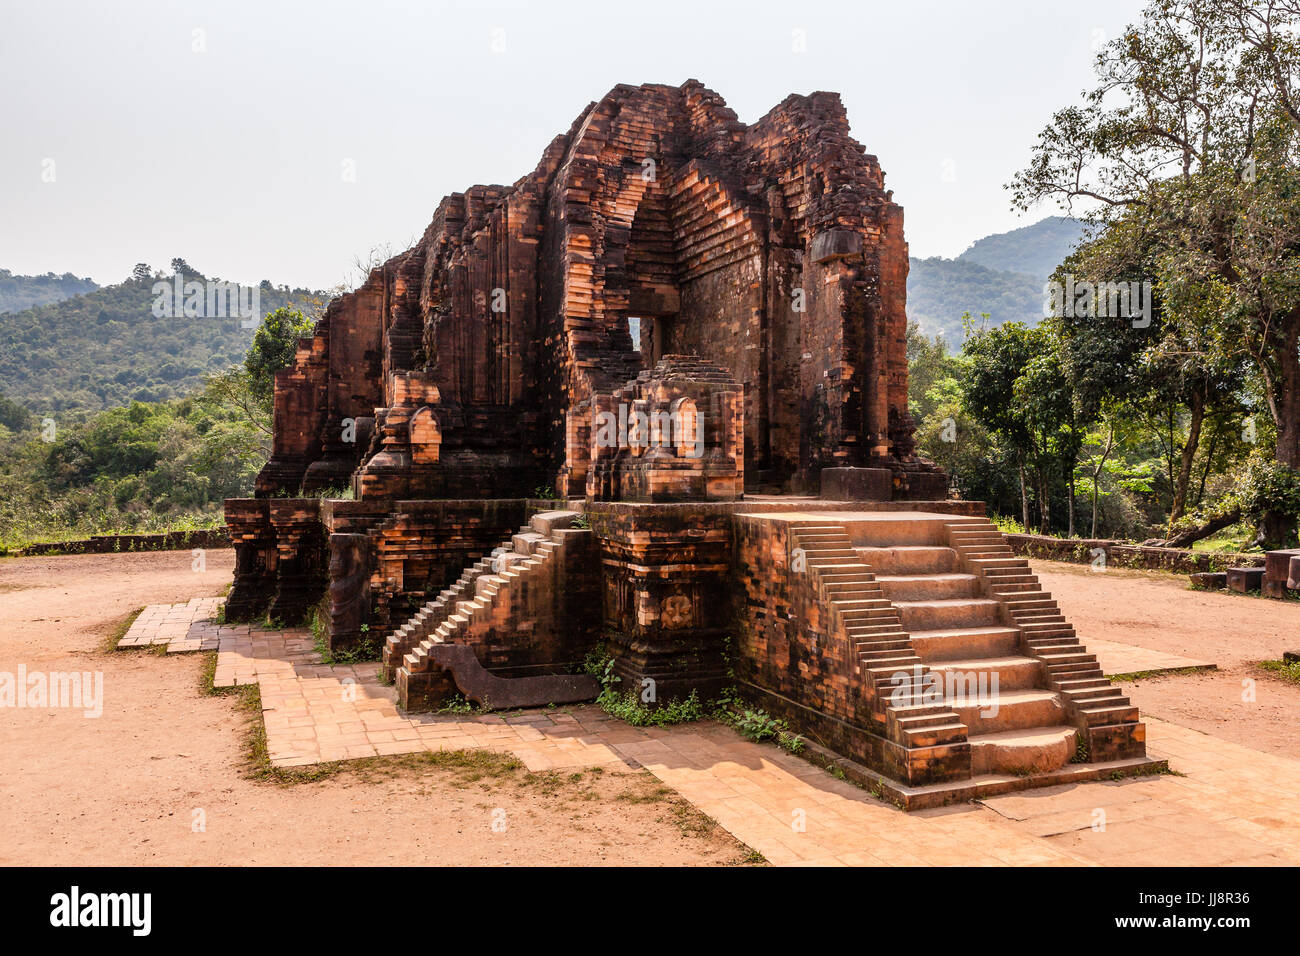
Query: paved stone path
{"points": [[1233, 806], [1117, 658], [172, 624]]}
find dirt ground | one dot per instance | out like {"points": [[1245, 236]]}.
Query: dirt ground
{"points": [[1159, 611], [128, 787]]}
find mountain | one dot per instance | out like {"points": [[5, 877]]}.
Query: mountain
{"points": [[106, 347], [940, 290], [1002, 275], [1032, 250], [23, 292]]}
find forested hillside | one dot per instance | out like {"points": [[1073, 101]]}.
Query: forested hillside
{"points": [[24, 292], [1002, 275], [106, 348]]}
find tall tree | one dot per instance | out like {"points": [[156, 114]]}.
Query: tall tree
{"points": [[996, 357], [1192, 134]]}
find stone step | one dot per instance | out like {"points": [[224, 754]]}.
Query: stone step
{"points": [[914, 587], [842, 572], [1001, 564], [849, 601], [984, 551], [960, 643], [885, 630], [488, 582], [547, 523], [1045, 627], [1010, 710], [1101, 716], [1014, 672], [957, 612], [1046, 643], [866, 650], [1029, 602], [842, 588], [901, 528], [1095, 696], [526, 541], [883, 668], [1024, 751], [933, 735], [976, 537], [833, 562], [1068, 657], [1078, 683], [909, 559], [857, 624], [1010, 588], [1039, 615], [828, 551]]}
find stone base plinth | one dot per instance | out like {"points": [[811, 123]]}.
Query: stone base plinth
{"points": [[857, 484]]}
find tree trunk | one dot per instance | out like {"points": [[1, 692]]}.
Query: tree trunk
{"points": [[1189, 455], [1192, 535], [1278, 529], [1070, 490], [1024, 496], [1044, 504], [1209, 462], [1094, 508], [1097, 472], [1285, 403]]}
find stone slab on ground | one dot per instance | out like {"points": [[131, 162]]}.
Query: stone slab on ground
{"points": [[170, 624], [1117, 658]]}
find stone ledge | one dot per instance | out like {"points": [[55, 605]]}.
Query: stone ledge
{"points": [[987, 785]]}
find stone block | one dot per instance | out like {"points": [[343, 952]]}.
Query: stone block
{"points": [[857, 484]]}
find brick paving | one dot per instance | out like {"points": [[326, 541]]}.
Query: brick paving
{"points": [[1233, 806], [182, 627], [1117, 658]]}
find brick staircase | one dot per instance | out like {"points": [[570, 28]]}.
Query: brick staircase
{"points": [[433, 613], [430, 649], [881, 650], [994, 666], [1107, 719]]}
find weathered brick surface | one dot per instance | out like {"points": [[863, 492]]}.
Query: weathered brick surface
{"points": [[773, 250], [767, 267]]}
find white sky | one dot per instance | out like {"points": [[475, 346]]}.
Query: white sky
{"points": [[232, 158]]}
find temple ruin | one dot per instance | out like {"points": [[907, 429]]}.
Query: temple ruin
{"points": [[653, 396]]}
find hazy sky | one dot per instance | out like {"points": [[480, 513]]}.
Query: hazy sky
{"points": [[228, 146]]}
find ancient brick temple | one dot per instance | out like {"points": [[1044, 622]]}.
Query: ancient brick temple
{"points": [[597, 407]]}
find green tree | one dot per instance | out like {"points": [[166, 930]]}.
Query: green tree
{"points": [[1192, 133], [274, 344], [996, 357]]}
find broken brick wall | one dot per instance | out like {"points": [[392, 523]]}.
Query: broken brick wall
{"points": [[771, 249]]}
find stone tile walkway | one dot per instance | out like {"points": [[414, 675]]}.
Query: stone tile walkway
{"points": [[182, 627], [1233, 806], [1117, 658]]}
